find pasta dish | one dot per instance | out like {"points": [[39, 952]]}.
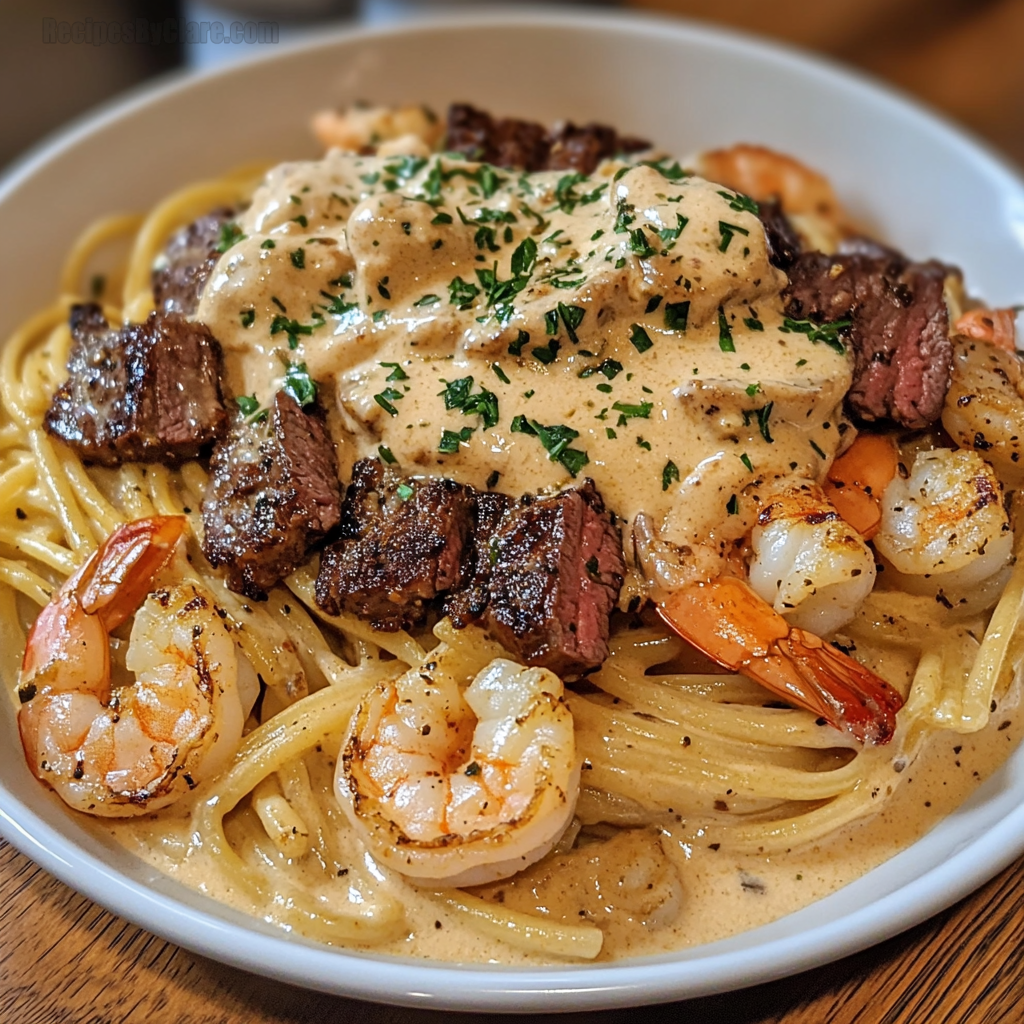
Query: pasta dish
{"points": [[499, 542]]}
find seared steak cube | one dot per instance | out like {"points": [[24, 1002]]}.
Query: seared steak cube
{"points": [[402, 544], [469, 602], [556, 575], [504, 143], [181, 270], [273, 493], [582, 148], [900, 327], [146, 392], [508, 142]]}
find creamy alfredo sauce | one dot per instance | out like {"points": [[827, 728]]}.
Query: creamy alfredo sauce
{"points": [[628, 324]]}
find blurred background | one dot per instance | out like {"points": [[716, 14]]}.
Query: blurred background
{"points": [[60, 57]]}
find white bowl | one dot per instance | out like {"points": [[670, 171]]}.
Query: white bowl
{"points": [[935, 191]]}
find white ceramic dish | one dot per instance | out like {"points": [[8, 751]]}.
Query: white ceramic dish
{"points": [[933, 191]]}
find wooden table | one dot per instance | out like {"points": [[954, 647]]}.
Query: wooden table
{"points": [[64, 960]]}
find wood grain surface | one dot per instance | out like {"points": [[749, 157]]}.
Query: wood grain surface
{"points": [[64, 960]]}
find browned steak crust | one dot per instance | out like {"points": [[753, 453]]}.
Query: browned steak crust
{"points": [[899, 327], [273, 493], [556, 575], [401, 545], [182, 269], [146, 392], [508, 142]]}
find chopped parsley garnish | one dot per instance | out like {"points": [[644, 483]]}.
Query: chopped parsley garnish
{"points": [[752, 389], [605, 389], [299, 384], [724, 333], [653, 303], [290, 327], [451, 439], [555, 440], [641, 443], [492, 479], [386, 397], [301, 220], [484, 238], [571, 317], [515, 348], [753, 323], [632, 410], [669, 474], [428, 300], [230, 233], [727, 231], [672, 234], [462, 293], [763, 415], [639, 244], [611, 368], [524, 257], [249, 404], [404, 491], [298, 257], [677, 314], [732, 506], [248, 317], [610, 434], [565, 194], [745, 459], [639, 338], [386, 454], [337, 306], [673, 172], [442, 218], [546, 354], [457, 395], [397, 373], [826, 332], [740, 202], [268, 243], [624, 216], [382, 290], [500, 373]]}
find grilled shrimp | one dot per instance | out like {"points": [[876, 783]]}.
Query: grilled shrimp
{"points": [[984, 407], [726, 620], [857, 480], [123, 750], [944, 527], [806, 196], [813, 567], [453, 787], [361, 129], [994, 325], [809, 564]]}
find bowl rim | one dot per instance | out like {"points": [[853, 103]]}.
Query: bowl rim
{"points": [[432, 984]]}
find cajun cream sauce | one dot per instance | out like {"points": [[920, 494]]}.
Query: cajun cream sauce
{"points": [[625, 326], [699, 893]]}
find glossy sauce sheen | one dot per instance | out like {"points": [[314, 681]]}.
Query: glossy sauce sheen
{"points": [[366, 266]]}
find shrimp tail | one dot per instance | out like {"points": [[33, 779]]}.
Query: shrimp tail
{"points": [[109, 586], [118, 576], [729, 623]]}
